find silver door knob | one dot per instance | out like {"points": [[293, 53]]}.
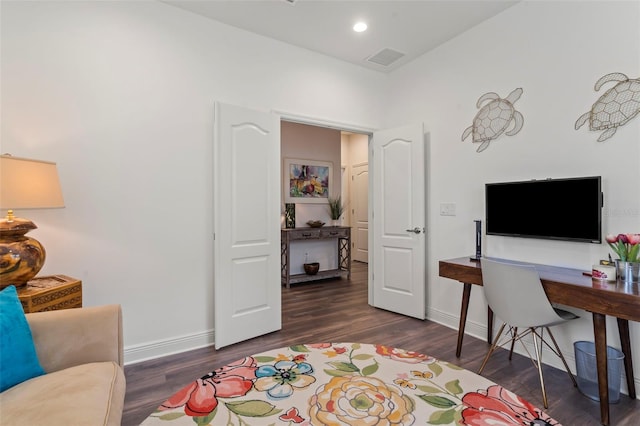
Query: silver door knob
{"points": [[415, 230]]}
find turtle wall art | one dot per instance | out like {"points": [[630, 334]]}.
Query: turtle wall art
{"points": [[615, 108], [494, 118]]}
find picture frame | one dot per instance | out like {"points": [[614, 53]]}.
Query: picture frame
{"points": [[307, 181]]}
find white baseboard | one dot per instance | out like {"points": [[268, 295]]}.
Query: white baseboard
{"points": [[471, 328], [160, 348], [480, 331]]}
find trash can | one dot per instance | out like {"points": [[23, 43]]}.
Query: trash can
{"points": [[587, 371]]}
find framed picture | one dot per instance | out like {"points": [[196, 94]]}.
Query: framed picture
{"points": [[307, 181]]}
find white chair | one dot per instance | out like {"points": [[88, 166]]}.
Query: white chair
{"points": [[516, 295]]}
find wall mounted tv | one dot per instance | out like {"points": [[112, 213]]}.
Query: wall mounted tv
{"points": [[557, 209]]}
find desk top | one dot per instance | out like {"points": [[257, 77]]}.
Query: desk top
{"points": [[563, 285]]}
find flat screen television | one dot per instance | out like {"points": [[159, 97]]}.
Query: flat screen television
{"points": [[558, 209]]}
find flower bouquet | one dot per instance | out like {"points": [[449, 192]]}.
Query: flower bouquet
{"points": [[627, 247]]}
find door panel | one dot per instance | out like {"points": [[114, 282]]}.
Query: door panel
{"points": [[246, 224], [399, 196]]}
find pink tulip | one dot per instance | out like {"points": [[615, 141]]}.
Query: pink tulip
{"points": [[623, 238], [611, 238], [633, 239]]}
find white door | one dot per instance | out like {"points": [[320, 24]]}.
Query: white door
{"points": [[399, 220], [246, 196], [360, 212]]}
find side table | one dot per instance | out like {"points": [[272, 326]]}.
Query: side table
{"points": [[50, 293]]}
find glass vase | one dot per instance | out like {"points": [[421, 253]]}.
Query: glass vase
{"points": [[628, 272]]}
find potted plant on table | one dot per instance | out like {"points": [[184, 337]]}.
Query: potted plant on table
{"points": [[627, 247], [336, 208]]}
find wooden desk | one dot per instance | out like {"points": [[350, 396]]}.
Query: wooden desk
{"points": [[340, 233], [568, 287]]}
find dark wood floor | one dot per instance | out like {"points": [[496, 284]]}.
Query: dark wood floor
{"points": [[337, 311]]}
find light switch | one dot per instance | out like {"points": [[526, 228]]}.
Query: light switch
{"points": [[447, 209]]}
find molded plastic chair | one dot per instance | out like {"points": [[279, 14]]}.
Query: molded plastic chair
{"points": [[516, 295]]}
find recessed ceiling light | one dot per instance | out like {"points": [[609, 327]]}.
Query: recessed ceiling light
{"points": [[360, 27]]}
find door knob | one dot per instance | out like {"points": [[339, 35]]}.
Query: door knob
{"points": [[415, 230]]}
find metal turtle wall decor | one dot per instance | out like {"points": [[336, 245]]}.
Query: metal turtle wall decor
{"points": [[615, 108], [494, 118]]}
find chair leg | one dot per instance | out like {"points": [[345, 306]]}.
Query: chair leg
{"points": [[492, 348], [513, 341], [566, 366], [539, 359]]}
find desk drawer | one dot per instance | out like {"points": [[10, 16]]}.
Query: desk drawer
{"points": [[305, 234], [333, 233]]}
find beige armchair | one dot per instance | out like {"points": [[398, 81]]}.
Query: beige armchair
{"points": [[82, 352]]}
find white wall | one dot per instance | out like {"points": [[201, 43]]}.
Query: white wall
{"points": [[555, 51], [121, 95]]}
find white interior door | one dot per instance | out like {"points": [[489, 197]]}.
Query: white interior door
{"points": [[399, 220], [360, 212], [246, 224]]}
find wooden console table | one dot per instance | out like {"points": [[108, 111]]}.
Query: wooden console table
{"points": [[568, 287], [340, 233], [50, 293]]}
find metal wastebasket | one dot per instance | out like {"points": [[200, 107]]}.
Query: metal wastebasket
{"points": [[587, 371]]}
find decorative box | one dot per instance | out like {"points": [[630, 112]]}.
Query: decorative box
{"points": [[50, 293]]}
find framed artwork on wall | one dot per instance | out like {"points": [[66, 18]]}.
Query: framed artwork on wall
{"points": [[307, 181]]}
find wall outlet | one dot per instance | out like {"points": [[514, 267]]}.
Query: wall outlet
{"points": [[447, 209]]}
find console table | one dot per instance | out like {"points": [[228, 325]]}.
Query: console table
{"points": [[340, 233], [568, 287]]}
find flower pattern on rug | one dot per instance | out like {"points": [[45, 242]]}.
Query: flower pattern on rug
{"points": [[200, 398], [345, 384], [498, 406], [280, 379]]}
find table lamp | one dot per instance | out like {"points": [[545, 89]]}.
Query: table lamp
{"points": [[24, 184]]}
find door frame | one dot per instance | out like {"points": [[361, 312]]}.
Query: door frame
{"points": [[347, 127], [367, 130]]}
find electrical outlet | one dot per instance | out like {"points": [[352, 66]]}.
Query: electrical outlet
{"points": [[447, 209]]}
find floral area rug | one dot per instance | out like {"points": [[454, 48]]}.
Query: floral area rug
{"points": [[344, 384]]}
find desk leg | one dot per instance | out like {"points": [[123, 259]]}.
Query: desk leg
{"points": [[623, 330], [600, 334], [466, 295], [489, 325]]}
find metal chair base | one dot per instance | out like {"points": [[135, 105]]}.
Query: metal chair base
{"points": [[513, 336]]}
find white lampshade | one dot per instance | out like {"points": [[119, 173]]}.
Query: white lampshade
{"points": [[29, 184]]}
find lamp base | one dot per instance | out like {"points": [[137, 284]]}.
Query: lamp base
{"points": [[21, 257]]}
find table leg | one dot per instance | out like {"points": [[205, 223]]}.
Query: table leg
{"points": [[600, 334], [625, 341], [466, 295]]}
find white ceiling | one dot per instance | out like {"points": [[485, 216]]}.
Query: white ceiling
{"points": [[325, 26]]}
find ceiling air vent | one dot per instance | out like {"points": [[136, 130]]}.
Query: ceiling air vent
{"points": [[385, 57]]}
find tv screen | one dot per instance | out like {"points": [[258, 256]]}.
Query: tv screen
{"points": [[558, 209]]}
